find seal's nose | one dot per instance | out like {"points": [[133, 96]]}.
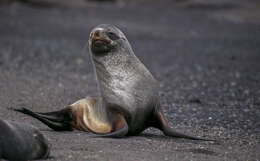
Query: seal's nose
{"points": [[98, 32]]}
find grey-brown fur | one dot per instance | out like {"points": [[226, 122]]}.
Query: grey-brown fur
{"points": [[126, 84], [124, 81]]}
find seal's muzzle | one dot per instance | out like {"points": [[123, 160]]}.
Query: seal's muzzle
{"points": [[102, 40]]}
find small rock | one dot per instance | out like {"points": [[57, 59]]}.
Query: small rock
{"points": [[195, 100]]}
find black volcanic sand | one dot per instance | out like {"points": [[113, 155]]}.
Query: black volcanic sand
{"points": [[207, 64]]}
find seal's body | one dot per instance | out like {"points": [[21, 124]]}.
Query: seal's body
{"points": [[125, 83], [21, 142], [129, 101]]}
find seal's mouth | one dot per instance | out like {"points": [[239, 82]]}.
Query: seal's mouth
{"points": [[100, 44], [99, 41]]}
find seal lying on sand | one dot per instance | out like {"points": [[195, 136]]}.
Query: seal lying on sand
{"points": [[21, 142], [129, 101]]}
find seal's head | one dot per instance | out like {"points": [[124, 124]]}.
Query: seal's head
{"points": [[105, 38]]}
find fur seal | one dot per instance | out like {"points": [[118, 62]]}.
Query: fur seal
{"points": [[21, 142], [129, 101]]}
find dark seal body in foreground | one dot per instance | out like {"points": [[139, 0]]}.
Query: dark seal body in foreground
{"points": [[129, 101], [21, 142]]}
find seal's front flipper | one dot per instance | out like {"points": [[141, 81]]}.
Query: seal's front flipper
{"points": [[168, 131], [58, 120], [160, 122], [116, 134]]}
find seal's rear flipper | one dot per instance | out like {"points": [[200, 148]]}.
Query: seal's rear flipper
{"points": [[116, 134], [58, 120], [160, 122]]}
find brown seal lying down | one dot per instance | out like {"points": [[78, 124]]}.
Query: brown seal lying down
{"points": [[21, 142]]}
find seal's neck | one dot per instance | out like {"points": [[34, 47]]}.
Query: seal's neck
{"points": [[113, 69]]}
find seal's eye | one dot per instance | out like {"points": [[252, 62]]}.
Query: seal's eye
{"points": [[112, 36]]}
